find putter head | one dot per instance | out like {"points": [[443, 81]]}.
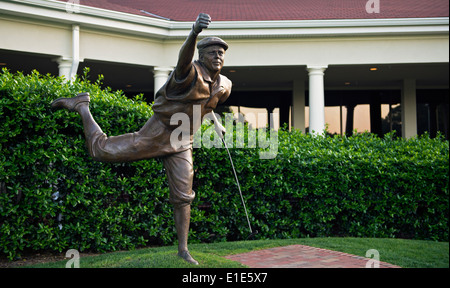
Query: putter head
{"points": [[252, 235]]}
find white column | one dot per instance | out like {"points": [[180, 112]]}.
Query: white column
{"points": [[298, 105], [64, 66], [409, 109], [67, 65], [316, 99], [160, 75], [75, 51]]}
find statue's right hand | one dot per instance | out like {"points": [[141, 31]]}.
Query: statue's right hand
{"points": [[220, 130], [202, 22]]}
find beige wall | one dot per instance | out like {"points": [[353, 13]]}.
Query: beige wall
{"points": [[357, 50], [98, 45], [35, 36]]}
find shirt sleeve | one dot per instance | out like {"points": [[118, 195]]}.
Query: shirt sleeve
{"points": [[176, 89], [227, 86]]}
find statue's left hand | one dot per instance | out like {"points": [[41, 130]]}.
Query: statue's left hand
{"points": [[202, 22]]}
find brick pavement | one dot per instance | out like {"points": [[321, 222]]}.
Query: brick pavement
{"points": [[301, 256]]}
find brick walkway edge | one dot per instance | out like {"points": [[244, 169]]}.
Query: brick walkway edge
{"points": [[301, 256]]}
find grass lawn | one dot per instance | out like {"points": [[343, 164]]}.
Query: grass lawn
{"points": [[404, 253]]}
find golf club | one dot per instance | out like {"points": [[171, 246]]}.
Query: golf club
{"points": [[237, 181]]}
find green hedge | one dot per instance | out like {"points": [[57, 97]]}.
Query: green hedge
{"points": [[360, 186], [54, 197]]}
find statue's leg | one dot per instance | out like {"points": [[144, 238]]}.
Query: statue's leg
{"points": [[92, 131], [80, 104], [182, 216], [122, 148], [180, 173]]}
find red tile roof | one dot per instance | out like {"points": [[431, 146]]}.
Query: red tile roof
{"points": [[259, 10]]}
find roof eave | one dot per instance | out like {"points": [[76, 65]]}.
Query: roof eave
{"points": [[109, 20]]}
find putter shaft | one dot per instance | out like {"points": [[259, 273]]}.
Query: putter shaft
{"points": [[237, 182], [235, 174]]}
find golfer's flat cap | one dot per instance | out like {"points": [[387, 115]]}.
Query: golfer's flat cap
{"points": [[209, 41]]}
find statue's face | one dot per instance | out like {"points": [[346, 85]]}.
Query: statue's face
{"points": [[213, 57]]}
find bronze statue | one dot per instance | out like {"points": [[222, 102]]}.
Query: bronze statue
{"points": [[191, 83]]}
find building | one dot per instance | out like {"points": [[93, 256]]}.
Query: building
{"points": [[317, 61]]}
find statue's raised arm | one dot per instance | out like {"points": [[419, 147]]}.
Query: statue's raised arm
{"points": [[187, 50]]}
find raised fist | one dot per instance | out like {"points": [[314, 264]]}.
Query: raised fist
{"points": [[202, 22]]}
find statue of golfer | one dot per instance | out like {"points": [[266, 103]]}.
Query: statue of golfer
{"points": [[191, 83]]}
